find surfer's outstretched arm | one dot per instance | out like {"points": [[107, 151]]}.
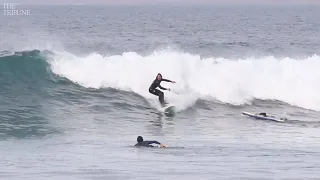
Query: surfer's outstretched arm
{"points": [[156, 142], [167, 80], [152, 142]]}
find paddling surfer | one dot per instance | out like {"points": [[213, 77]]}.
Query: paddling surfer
{"points": [[141, 142]]}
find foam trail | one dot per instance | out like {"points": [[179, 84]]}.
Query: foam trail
{"points": [[229, 81]]}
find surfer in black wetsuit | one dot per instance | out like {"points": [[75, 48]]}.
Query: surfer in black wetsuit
{"points": [[155, 84], [141, 142], [263, 114]]}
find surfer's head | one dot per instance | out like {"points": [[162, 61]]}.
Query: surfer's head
{"points": [[159, 76], [139, 139]]}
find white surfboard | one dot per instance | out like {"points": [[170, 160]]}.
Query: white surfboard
{"points": [[257, 116], [169, 110]]}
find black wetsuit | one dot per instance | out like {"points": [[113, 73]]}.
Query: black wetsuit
{"points": [[153, 90], [146, 143]]}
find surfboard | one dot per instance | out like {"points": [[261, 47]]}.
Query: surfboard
{"points": [[257, 116], [169, 110]]}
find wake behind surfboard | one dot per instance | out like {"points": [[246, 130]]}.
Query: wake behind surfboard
{"points": [[262, 117]]}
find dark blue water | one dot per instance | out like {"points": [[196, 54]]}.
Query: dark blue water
{"points": [[75, 82]]}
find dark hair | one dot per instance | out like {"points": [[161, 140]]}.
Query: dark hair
{"points": [[139, 139]]}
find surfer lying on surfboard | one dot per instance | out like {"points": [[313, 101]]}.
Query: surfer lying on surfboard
{"points": [[141, 142], [265, 115], [155, 84]]}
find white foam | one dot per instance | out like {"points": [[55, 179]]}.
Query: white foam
{"points": [[294, 81]]}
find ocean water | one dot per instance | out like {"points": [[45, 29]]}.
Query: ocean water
{"points": [[74, 92]]}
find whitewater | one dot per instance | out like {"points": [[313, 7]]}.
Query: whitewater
{"points": [[228, 81]]}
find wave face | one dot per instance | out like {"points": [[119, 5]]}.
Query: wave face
{"points": [[237, 82], [24, 69]]}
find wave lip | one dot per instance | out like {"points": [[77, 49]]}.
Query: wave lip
{"points": [[294, 81]]}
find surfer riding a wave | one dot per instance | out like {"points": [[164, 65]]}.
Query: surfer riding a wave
{"points": [[155, 84]]}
